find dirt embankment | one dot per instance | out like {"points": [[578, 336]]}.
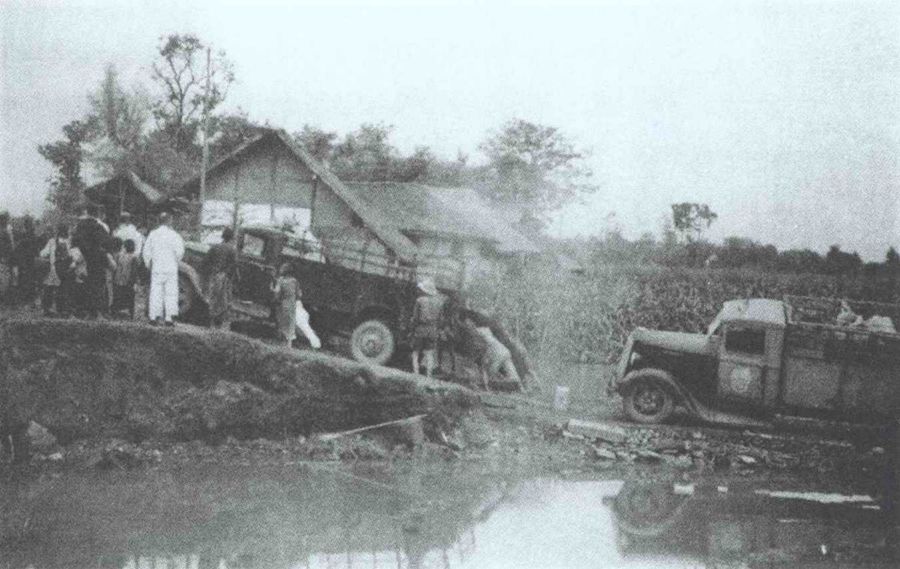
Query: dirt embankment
{"points": [[135, 382]]}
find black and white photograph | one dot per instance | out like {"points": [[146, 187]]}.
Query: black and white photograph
{"points": [[436, 284]]}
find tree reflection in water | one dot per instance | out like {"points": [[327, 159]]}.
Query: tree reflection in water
{"points": [[284, 518]]}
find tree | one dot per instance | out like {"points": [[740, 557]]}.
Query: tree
{"points": [[181, 73], [838, 262], [319, 143], [892, 259], [66, 157], [115, 125], [366, 155], [230, 130], [691, 219], [534, 167]]}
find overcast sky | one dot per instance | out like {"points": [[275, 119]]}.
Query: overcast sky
{"points": [[783, 116]]}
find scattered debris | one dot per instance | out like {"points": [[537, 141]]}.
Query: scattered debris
{"points": [[409, 430], [648, 455], [39, 438], [603, 453], [605, 431]]}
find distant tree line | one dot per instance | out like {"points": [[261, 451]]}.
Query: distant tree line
{"points": [[156, 130], [732, 253]]}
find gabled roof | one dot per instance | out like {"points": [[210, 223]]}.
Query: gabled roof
{"points": [[428, 210], [373, 218], [151, 194]]}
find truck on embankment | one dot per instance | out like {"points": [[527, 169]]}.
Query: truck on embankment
{"points": [[761, 359], [364, 296]]}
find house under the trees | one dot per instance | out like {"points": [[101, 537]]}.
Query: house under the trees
{"points": [[127, 192], [273, 180]]}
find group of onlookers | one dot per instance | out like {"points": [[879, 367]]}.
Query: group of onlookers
{"points": [[90, 271]]}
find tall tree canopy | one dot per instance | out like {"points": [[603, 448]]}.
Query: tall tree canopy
{"points": [[117, 133], [691, 219], [66, 184], [366, 154], [534, 167], [181, 72]]}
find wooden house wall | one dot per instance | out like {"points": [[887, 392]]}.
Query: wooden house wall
{"points": [[273, 175]]}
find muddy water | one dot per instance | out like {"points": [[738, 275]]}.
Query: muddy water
{"points": [[320, 515]]}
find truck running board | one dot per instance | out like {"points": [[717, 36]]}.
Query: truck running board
{"points": [[723, 417]]}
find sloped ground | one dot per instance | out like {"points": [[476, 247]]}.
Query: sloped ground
{"points": [[136, 382]]}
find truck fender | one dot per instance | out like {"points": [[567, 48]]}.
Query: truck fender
{"points": [[665, 378], [194, 278]]}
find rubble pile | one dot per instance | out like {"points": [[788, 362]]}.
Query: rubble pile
{"points": [[717, 450]]}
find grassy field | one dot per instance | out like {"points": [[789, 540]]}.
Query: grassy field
{"points": [[585, 319]]}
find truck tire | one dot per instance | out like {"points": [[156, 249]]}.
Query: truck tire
{"points": [[648, 399], [372, 342]]}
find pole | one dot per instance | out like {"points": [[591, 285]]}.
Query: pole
{"points": [[205, 134]]}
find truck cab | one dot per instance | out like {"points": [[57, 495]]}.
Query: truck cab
{"points": [[762, 357]]}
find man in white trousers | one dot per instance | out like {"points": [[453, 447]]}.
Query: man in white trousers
{"points": [[163, 250]]}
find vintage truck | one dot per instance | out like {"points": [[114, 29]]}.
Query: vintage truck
{"points": [[349, 290], [764, 358]]}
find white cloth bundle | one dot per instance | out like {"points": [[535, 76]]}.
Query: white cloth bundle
{"points": [[302, 319]]}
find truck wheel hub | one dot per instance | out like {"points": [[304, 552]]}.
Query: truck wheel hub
{"points": [[371, 343], [649, 400]]}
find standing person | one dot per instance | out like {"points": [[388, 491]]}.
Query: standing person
{"points": [[56, 251], [163, 250], [426, 319], [116, 246], [124, 279], [127, 230], [286, 289], [92, 239], [75, 283], [7, 246], [219, 268], [26, 252]]}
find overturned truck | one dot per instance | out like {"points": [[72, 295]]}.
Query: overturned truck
{"points": [[762, 358], [362, 295]]}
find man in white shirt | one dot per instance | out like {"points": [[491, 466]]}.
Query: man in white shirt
{"points": [[126, 230], [163, 250]]}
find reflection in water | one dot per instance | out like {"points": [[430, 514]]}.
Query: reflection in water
{"points": [[290, 517], [741, 523]]}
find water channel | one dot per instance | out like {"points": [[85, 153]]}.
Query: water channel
{"points": [[413, 516]]}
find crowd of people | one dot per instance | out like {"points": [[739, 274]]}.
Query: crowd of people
{"points": [[89, 271], [92, 272]]}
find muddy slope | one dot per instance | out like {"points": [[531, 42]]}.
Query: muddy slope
{"points": [[91, 379]]}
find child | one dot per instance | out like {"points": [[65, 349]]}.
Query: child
{"points": [[56, 251], [287, 290], [78, 275], [124, 279]]}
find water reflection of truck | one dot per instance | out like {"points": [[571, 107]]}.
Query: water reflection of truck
{"points": [[348, 290], [751, 525], [761, 358]]}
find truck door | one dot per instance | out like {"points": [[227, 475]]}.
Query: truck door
{"points": [[742, 363], [255, 274]]}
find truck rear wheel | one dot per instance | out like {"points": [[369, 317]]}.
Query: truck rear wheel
{"points": [[372, 342], [648, 401]]}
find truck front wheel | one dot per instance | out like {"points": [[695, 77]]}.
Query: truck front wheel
{"points": [[648, 401], [372, 342]]}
